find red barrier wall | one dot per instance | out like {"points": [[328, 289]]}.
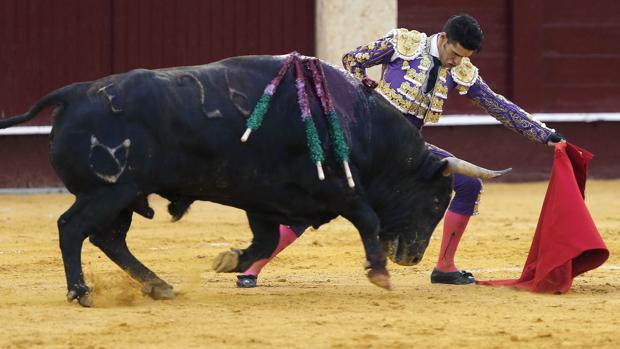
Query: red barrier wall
{"points": [[47, 44]]}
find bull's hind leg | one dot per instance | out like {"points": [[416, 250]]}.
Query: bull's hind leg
{"points": [[72, 232], [88, 214], [265, 241], [112, 241]]}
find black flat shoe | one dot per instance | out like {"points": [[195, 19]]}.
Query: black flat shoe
{"points": [[454, 278], [246, 281]]}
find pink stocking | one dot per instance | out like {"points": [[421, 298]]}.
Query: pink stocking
{"points": [[287, 236], [454, 225]]}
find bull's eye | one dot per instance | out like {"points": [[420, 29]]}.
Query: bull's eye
{"points": [[410, 161]]}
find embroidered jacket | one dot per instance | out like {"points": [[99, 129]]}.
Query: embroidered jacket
{"points": [[406, 59]]}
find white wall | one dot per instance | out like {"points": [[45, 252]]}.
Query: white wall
{"points": [[342, 25]]}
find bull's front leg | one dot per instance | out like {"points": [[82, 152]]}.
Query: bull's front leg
{"points": [[265, 240], [367, 223]]}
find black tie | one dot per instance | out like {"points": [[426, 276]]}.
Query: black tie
{"points": [[432, 76]]}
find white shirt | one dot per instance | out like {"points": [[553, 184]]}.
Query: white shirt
{"points": [[434, 49]]}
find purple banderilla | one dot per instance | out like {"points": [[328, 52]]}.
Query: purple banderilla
{"points": [[340, 146]]}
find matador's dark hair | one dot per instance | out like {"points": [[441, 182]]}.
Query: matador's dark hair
{"points": [[465, 30]]}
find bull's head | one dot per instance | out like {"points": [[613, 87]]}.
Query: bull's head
{"points": [[405, 238]]}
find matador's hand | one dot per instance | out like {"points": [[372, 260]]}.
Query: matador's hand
{"points": [[369, 83], [554, 139]]}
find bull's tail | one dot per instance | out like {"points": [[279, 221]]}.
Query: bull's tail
{"points": [[57, 97]]}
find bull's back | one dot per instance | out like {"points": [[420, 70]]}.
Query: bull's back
{"points": [[182, 124]]}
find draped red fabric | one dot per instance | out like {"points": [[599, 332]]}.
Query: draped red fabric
{"points": [[566, 242]]}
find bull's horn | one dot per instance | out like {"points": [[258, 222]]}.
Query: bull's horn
{"points": [[465, 168]]}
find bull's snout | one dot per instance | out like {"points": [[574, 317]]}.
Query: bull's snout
{"points": [[403, 252]]}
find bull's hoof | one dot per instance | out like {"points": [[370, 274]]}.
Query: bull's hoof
{"points": [[159, 291], [380, 278], [227, 262], [84, 300]]}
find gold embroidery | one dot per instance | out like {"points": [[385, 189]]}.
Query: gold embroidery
{"points": [[362, 56], [437, 104], [432, 117], [509, 114], [425, 63], [394, 98], [348, 61], [417, 78], [462, 89], [443, 72], [426, 100], [423, 108], [421, 112], [409, 98], [409, 91], [352, 66], [409, 43], [465, 75], [441, 90]]}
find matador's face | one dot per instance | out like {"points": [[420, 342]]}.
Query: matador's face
{"points": [[451, 52]]}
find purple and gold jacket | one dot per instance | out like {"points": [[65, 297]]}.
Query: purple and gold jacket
{"points": [[406, 59]]}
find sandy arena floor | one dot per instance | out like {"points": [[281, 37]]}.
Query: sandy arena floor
{"points": [[315, 295]]}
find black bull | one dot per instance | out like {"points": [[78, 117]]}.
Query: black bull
{"points": [[176, 132]]}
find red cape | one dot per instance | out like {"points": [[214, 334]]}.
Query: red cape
{"points": [[566, 242]]}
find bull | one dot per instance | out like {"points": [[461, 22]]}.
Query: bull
{"points": [[176, 132]]}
